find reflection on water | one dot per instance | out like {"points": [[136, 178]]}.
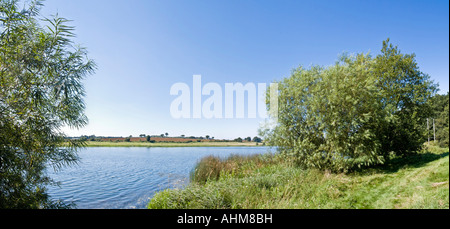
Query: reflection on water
{"points": [[119, 177]]}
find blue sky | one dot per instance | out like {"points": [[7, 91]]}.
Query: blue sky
{"points": [[143, 47]]}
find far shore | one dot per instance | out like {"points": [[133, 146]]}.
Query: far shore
{"points": [[171, 144]]}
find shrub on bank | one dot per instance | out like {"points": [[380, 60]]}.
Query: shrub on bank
{"points": [[211, 167], [352, 114]]}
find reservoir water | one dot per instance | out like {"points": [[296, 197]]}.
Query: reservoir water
{"points": [[127, 177]]}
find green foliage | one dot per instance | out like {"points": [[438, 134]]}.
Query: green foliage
{"points": [[256, 139], [440, 112], [354, 113], [211, 168], [416, 182], [41, 73], [405, 95], [442, 125]]}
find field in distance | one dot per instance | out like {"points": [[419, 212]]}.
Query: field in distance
{"points": [[169, 144], [159, 141]]}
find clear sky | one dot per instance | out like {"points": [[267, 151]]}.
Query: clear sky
{"points": [[143, 47]]}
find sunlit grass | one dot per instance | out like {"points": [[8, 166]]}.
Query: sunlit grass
{"points": [[420, 181]]}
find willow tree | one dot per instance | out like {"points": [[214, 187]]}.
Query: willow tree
{"points": [[355, 113], [41, 91]]}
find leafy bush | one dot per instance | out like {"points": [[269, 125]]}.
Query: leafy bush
{"points": [[354, 113], [211, 167], [41, 91], [440, 106]]}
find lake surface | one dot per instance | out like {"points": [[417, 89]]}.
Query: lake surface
{"points": [[121, 178]]}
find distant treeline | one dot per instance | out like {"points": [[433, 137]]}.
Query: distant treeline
{"points": [[163, 138]]}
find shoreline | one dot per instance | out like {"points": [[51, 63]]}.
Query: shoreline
{"points": [[172, 144], [419, 181]]}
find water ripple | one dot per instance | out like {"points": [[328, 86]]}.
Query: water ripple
{"points": [[128, 177]]}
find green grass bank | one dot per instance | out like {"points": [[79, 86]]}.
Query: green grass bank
{"points": [[268, 182]]}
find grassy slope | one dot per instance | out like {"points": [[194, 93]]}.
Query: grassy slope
{"points": [[168, 144], [420, 181]]}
